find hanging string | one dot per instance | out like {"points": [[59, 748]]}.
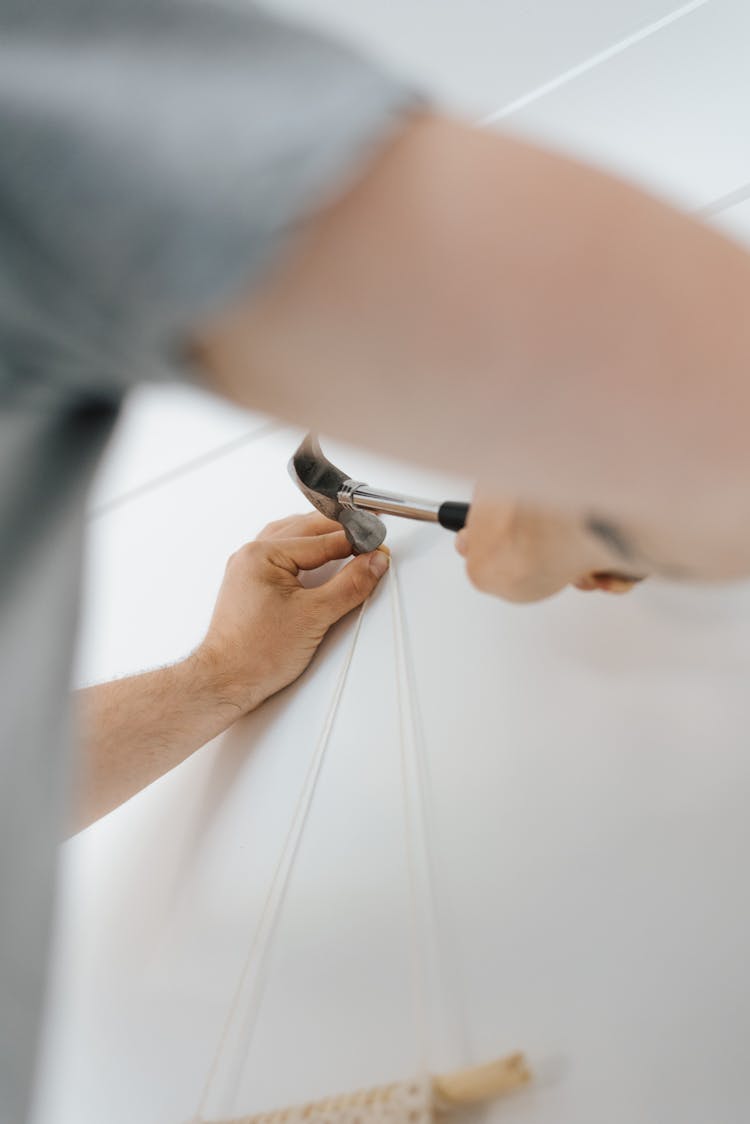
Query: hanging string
{"points": [[438, 920], [419, 837], [418, 936], [253, 983]]}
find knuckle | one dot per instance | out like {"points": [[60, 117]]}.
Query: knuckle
{"points": [[251, 553], [273, 528], [235, 560]]}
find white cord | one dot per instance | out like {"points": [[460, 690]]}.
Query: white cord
{"points": [[252, 983], [418, 935], [440, 916], [419, 835]]}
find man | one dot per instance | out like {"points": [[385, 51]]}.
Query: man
{"points": [[188, 189]]}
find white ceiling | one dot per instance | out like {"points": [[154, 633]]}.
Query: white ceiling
{"points": [[672, 112], [477, 56]]}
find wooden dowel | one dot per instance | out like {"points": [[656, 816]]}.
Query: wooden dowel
{"points": [[452, 1091], [480, 1083]]}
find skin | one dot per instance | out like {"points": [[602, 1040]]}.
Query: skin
{"points": [[482, 306], [265, 630], [478, 305], [522, 554]]}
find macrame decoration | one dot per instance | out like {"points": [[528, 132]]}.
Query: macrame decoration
{"points": [[425, 1098]]}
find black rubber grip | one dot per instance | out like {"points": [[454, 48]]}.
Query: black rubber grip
{"points": [[453, 515]]}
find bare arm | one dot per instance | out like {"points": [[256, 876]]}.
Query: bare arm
{"points": [[136, 729], [482, 306], [265, 629]]}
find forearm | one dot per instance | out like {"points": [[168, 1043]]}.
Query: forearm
{"points": [[134, 730], [484, 307]]}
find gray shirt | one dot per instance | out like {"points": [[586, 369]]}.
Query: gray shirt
{"points": [[154, 156]]}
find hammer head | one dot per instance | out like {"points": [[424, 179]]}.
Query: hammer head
{"points": [[321, 482]]}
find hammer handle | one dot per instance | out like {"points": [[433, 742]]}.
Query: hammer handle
{"points": [[453, 515], [450, 514]]}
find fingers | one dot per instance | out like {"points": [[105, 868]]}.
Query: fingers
{"points": [[297, 526], [352, 585], [309, 552], [513, 552], [525, 554]]}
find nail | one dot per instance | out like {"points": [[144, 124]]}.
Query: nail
{"points": [[378, 563], [462, 542]]}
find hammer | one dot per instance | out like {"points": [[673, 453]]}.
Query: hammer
{"points": [[352, 503]]}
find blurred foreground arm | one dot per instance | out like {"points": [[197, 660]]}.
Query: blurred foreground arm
{"points": [[351, 262], [265, 629], [485, 307], [526, 554]]}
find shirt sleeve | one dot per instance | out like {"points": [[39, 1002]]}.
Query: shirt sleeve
{"points": [[156, 154]]}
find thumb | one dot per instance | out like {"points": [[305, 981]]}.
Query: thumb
{"points": [[353, 584]]}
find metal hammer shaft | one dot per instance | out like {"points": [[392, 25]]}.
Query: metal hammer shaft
{"points": [[354, 494], [354, 504]]}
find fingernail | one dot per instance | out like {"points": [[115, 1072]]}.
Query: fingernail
{"points": [[462, 542], [616, 585], [378, 563]]}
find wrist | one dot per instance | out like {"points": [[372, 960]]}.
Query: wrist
{"points": [[221, 688]]}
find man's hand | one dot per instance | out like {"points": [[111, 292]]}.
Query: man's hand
{"points": [[266, 625], [523, 554], [265, 630]]}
